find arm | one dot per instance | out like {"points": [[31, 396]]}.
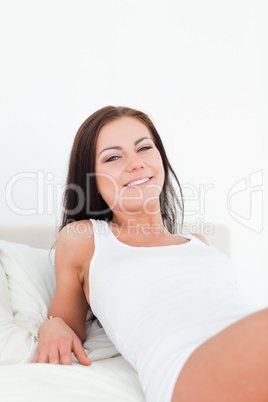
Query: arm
{"points": [[69, 302], [61, 336]]}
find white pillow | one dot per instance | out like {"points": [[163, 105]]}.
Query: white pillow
{"points": [[27, 286]]}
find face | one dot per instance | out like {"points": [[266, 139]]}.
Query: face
{"points": [[126, 154]]}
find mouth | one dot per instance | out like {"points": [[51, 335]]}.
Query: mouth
{"points": [[139, 183]]}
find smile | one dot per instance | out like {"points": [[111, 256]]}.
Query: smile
{"points": [[138, 183]]}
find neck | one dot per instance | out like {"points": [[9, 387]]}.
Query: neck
{"points": [[143, 225]]}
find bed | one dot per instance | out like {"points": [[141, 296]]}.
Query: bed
{"points": [[27, 285]]}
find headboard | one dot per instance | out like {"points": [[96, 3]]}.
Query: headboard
{"points": [[45, 236]]}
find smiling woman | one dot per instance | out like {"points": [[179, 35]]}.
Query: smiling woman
{"points": [[132, 180], [168, 301], [95, 150]]}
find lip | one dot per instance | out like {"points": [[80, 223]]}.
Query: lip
{"points": [[141, 184]]}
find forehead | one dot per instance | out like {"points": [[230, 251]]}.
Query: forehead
{"points": [[121, 131]]}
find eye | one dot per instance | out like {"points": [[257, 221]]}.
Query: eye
{"points": [[111, 157], [145, 148]]}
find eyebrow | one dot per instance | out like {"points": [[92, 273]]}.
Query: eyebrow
{"points": [[120, 148]]}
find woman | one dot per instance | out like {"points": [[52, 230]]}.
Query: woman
{"points": [[168, 301]]}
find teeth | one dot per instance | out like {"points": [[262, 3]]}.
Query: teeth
{"points": [[137, 182]]}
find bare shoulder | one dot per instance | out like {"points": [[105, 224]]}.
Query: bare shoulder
{"points": [[78, 229], [200, 237], [76, 240]]}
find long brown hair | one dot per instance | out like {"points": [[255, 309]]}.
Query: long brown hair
{"points": [[81, 198]]}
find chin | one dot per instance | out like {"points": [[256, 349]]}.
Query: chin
{"points": [[148, 206]]}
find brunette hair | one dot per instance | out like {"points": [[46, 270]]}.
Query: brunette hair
{"points": [[82, 167]]}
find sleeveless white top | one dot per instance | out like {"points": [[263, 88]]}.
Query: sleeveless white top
{"points": [[158, 304]]}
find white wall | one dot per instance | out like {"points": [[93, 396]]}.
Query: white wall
{"points": [[198, 68]]}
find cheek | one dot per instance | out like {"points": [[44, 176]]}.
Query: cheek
{"points": [[160, 166], [106, 182]]}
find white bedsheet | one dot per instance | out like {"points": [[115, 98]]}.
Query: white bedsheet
{"points": [[104, 381]]}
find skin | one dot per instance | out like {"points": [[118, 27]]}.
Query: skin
{"points": [[137, 219], [231, 366], [136, 211]]}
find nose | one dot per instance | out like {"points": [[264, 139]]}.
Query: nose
{"points": [[134, 162]]}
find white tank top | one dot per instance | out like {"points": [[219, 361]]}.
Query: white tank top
{"points": [[158, 304]]}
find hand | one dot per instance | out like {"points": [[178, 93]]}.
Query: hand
{"points": [[56, 343]]}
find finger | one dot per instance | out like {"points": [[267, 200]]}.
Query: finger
{"points": [[80, 353], [43, 358], [65, 355], [35, 359], [54, 356]]}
